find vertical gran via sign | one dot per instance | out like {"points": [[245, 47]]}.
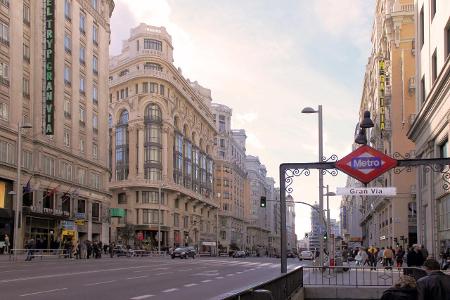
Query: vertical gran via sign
{"points": [[49, 65]]}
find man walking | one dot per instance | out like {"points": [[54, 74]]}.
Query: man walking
{"points": [[436, 285]]}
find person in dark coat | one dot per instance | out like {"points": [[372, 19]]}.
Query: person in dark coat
{"points": [[434, 286], [403, 289]]}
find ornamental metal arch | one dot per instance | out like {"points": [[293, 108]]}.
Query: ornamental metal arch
{"points": [[288, 171]]}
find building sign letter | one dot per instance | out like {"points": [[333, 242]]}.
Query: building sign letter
{"points": [[49, 90]]}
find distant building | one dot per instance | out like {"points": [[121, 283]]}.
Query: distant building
{"points": [[317, 229]]}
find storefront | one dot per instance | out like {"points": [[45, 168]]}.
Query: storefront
{"points": [[6, 211]]}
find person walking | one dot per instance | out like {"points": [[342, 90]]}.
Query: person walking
{"points": [[388, 255], [404, 289], [372, 252], [31, 245], [381, 256], [424, 252], [6, 244], [399, 257], [111, 249], [435, 285]]}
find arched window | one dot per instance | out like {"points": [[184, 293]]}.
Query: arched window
{"points": [[122, 147], [152, 142]]}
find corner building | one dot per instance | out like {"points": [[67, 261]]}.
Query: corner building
{"points": [[63, 175], [162, 142]]}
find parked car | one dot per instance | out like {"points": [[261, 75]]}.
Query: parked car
{"points": [[239, 253], [291, 254], [183, 252], [121, 250], [306, 254]]}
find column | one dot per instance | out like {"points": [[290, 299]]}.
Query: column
{"points": [[113, 155], [89, 211], [140, 160], [132, 146]]}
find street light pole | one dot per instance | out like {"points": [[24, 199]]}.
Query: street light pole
{"points": [[159, 219], [18, 186], [328, 225]]}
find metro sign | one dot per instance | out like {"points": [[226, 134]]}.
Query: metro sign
{"points": [[366, 164]]}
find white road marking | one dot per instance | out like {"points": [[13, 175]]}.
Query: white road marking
{"points": [[190, 284], [170, 290], [207, 280], [239, 272], [251, 269], [163, 273], [229, 275], [98, 283], [142, 297], [137, 277], [183, 270], [42, 292], [220, 277]]}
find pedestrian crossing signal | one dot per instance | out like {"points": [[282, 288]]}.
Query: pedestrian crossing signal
{"points": [[325, 236], [263, 202]]}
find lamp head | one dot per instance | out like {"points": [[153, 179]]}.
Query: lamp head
{"points": [[361, 138], [308, 110], [366, 122]]}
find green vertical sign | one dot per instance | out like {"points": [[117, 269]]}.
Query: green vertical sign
{"points": [[49, 66]]}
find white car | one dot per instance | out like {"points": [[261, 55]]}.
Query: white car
{"points": [[306, 255]]}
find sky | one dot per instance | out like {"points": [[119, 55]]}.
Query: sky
{"points": [[267, 60]]}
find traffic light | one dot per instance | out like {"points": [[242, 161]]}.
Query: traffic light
{"points": [[263, 202], [306, 235], [325, 236]]}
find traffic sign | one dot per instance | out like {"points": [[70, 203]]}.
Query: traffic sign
{"points": [[372, 191], [366, 164]]}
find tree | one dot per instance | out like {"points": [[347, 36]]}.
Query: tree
{"points": [[127, 233]]}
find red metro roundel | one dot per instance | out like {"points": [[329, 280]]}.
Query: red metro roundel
{"points": [[366, 164]]}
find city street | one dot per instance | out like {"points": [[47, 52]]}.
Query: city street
{"points": [[135, 278]]}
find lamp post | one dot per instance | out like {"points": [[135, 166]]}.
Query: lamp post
{"points": [[18, 185], [159, 216], [328, 194], [309, 110]]}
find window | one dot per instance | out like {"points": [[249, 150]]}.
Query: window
{"points": [[26, 14], [4, 33], [176, 220], [4, 73], [4, 111], [95, 180], [95, 94], [67, 108], [434, 66], [178, 159], [82, 116], [27, 159], [83, 24], [152, 197], [152, 66], [151, 216], [123, 72], [186, 221], [26, 87], [444, 215], [161, 90], [82, 55], [7, 152], [443, 149], [95, 65], [221, 123], [422, 30], [422, 90], [66, 137], [94, 4], [66, 170], [26, 52], [67, 43], [433, 9], [145, 87], [95, 34], [95, 151], [137, 45], [412, 212], [95, 122], [122, 198], [82, 145], [48, 165], [152, 44], [67, 75], [82, 85], [222, 143], [122, 147], [67, 9], [153, 87], [95, 211], [81, 207], [152, 142], [82, 176]]}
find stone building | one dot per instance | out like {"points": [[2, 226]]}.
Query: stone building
{"points": [[62, 92], [162, 136]]}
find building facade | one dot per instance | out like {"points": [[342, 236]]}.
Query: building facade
{"points": [[430, 130], [317, 229], [231, 183], [162, 135], [61, 90], [389, 95], [350, 216], [290, 224]]}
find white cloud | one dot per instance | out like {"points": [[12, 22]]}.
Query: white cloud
{"points": [[245, 118], [253, 141]]}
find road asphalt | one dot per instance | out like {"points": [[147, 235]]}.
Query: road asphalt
{"points": [[135, 278]]}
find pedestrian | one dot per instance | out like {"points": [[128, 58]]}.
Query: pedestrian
{"points": [[88, 249], [381, 256], [6, 244], [372, 252], [403, 289], [111, 249], [78, 251], [31, 245], [424, 252], [105, 249], [388, 255], [399, 256], [435, 285]]}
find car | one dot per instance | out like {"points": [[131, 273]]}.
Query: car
{"points": [[291, 255], [121, 250], [183, 252], [239, 253], [306, 254]]}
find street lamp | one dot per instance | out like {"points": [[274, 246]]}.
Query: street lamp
{"points": [[328, 194], [366, 123], [161, 185], [309, 110], [18, 185]]}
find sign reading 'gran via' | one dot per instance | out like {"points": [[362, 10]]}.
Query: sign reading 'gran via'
{"points": [[49, 66]]}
